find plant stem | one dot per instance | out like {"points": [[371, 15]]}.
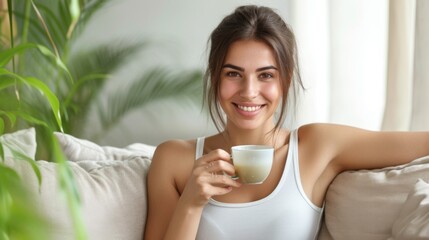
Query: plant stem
{"points": [[24, 36], [26, 22], [45, 27]]}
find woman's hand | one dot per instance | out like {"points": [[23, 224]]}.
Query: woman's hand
{"points": [[210, 176]]}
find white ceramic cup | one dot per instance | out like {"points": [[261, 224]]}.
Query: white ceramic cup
{"points": [[252, 162]]}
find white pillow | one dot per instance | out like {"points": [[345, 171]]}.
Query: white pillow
{"points": [[77, 149], [413, 220], [23, 141], [113, 193], [364, 204], [113, 197]]}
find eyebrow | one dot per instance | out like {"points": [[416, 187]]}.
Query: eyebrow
{"points": [[242, 69]]}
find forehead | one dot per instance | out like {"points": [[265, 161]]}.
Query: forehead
{"points": [[250, 54]]}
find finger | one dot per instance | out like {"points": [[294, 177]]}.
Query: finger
{"points": [[221, 180], [221, 166], [218, 154], [213, 190]]}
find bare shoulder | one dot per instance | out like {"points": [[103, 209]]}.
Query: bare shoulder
{"points": [[328, 133], [173, 160], [173, 153], [174, 148], [327, 129], [319, 133], [324, 142]]}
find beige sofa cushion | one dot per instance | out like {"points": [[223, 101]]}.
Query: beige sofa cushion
{"points": [[364, 204], [112, 189], [413, 220], [80, 149]]}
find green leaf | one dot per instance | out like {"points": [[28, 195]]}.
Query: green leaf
{"points": [[80, 82], [1, 126], [20, 156], [31, 119], [52, 98], [74, 9], [8, 54], [44, 50], [11, 116], [44, 89], [6, 82], [56, 27], [157, 84]]}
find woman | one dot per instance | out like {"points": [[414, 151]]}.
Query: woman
{"points": [[252, 68]]}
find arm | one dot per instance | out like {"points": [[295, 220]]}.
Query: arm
{"points": [[173, 214], [353, 148]]}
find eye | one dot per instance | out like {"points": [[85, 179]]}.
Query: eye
{"points": [[266, 76], [232, 74]]}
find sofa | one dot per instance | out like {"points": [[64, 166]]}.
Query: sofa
{"points": [[389, 203]]}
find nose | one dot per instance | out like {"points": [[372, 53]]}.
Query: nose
{"points": [[250, 88]]}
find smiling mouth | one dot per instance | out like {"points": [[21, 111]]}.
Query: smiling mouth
{"points": [[249, 108]]}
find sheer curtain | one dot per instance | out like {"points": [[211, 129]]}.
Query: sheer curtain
{"points": [[407, 97], [364, 63], [420, 76]]}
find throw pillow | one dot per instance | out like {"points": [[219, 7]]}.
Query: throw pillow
{"points": [[77, 149], [23, 141], [112, 193], [111, 183], [413, 220], [364, 204]]}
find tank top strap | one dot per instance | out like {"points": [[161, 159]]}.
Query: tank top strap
{"points": [[199, 147], [293, 146], [289, 172]]}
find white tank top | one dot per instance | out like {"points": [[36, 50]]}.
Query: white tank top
{"points": [[286, 213]]}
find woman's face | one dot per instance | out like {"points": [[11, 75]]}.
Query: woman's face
{"points": [[250, 89]]}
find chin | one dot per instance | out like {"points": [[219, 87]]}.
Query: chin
{"points": [[249, 125]]}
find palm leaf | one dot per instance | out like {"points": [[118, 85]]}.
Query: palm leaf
{"points": [[43, 88], [157, 84], [105, 58], [92, 69], [55, 24]]}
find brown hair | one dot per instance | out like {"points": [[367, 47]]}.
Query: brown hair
{"points": [[251, 22]]}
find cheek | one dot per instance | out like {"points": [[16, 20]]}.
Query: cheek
{"points": [[227, 90], [272, 92]]}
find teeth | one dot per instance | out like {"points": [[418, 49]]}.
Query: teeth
{"points": [[249, 109]]}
